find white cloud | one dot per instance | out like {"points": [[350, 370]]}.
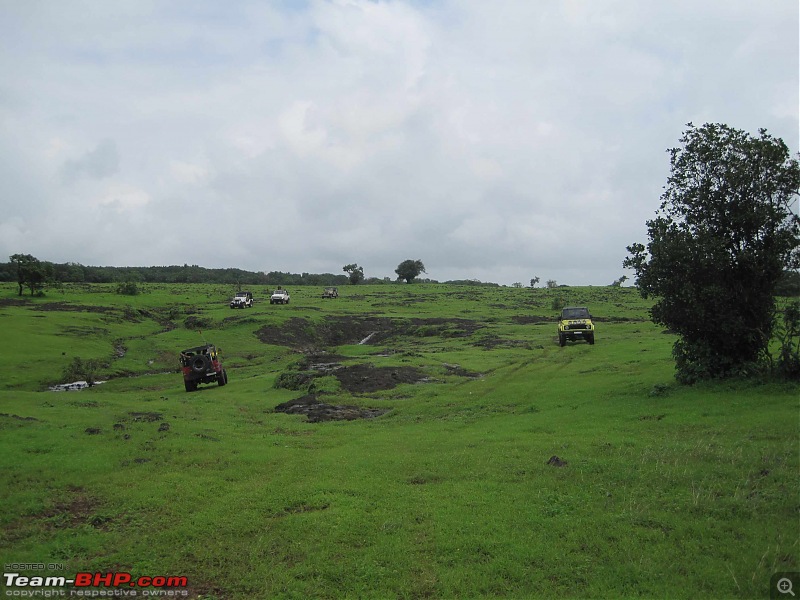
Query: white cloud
{"points": [[100, 163], [188, 173], [122, 198], [491, 140]]}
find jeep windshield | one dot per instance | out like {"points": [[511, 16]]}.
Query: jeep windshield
{"points": [[575, 313]]}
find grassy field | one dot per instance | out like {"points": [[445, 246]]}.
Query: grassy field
{"points": [[500, 465]]}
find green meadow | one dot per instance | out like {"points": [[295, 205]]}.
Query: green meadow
{"points": [[492, 463]]}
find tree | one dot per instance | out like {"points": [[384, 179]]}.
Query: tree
{"points": [[85, 370], [128, 288], [719, 244], [31, 272], [355, 273], [534, 281], [552, 284], [620, 281], [409, 269], [788, 329]]}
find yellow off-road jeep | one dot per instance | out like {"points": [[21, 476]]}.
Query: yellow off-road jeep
{"points": [[575, 324]]}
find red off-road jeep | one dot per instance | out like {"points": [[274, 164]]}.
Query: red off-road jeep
{"points": [[202, 365]]}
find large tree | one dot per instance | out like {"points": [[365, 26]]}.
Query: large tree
{"points": [[355, 273], [718, 246], [409, 269], [31, 272]]}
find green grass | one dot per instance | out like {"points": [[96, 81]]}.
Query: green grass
{"points": [[668, 491]]}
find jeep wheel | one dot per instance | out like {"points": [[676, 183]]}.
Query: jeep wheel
{"points": [[200, 364], [222, 378], [191, 386], [590, 339], [562, 340]]}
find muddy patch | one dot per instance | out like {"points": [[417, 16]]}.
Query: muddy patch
{"points": [[67, 307], [317, 411], [12, 302], [78, 508], [365, 378], [295, 332], [490, 342], [322, 362], [356, 379], [337, 331], [460, 371]]}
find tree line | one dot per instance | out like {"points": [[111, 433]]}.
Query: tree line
{"points": [[33, 274]]}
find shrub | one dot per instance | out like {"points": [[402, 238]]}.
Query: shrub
{"points": [[81, 370], [293, 380], [128, 288], [788, 333]]}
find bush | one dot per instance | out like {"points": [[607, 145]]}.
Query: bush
{"points": [[293, 380], [128, 288], [81, 370], [788, 333], [699, 360]]}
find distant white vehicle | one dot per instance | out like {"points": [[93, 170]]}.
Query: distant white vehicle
{"points": [[242, 300], [279, 297]]}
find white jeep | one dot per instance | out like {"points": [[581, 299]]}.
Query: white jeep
{"points": [[279, 297], [242, 300]]}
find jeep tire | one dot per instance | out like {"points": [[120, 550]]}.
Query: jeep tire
{"points": [[222, 378], [200, 364], [562, 340]]}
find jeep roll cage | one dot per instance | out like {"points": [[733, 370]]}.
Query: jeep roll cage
{"points": [[575, 313]]}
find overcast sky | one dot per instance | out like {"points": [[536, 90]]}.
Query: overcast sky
{"points": [[493, 140]]}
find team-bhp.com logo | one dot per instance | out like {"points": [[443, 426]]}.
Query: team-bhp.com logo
{"points": [[119, 584]]}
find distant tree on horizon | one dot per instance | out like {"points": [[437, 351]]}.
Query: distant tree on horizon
{"points": [[31, 272], [355, 273], [409, 269], [620, 281]]}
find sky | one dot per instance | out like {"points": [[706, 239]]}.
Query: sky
{"points": [[498, 141]]}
